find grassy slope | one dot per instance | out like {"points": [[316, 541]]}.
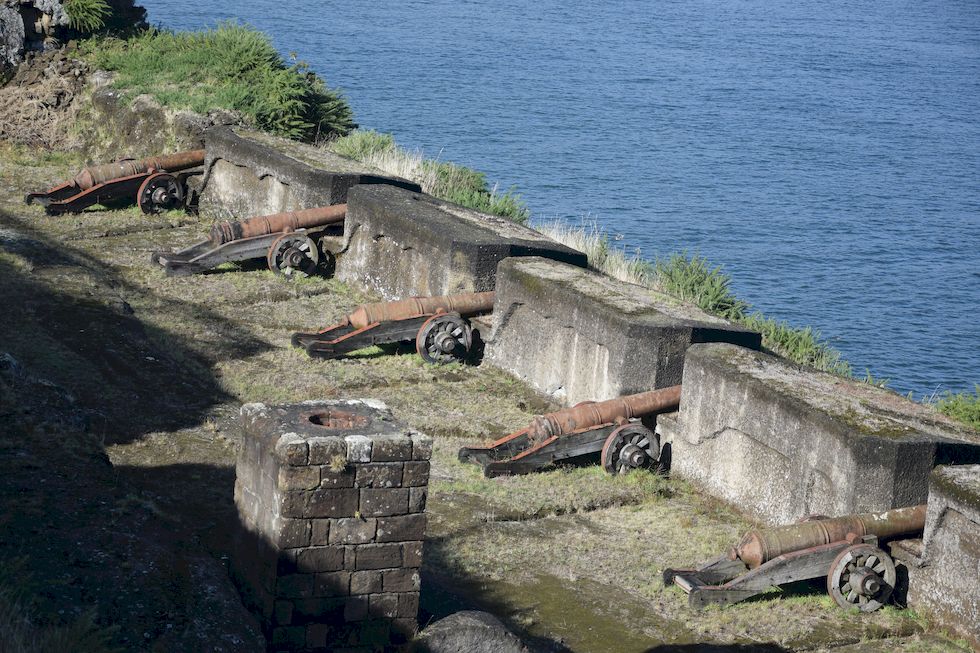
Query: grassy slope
{"points": [[546, 552], [230, 67]]}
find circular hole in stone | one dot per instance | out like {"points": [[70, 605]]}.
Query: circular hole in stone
{"points": [[339, 419]]}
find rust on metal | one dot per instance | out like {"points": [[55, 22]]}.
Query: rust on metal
{"points": [[263, 225], [758, 547], [612, 411], [100, 174], [471, 303]]}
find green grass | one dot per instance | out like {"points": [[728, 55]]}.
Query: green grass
{"points": [[963, 406], [87, 15], [445, 180], [558, 491], [230, 67]]}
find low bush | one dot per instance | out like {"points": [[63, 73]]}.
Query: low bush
{"points": [[230, 67]]}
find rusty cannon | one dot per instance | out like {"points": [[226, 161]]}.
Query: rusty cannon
{"points": [[860, 575], [442, 327], [290, 242], [611, 428], [156, 184]]}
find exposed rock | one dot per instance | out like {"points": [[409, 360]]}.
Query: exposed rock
{"points": [[43, 25], [468, 632]]}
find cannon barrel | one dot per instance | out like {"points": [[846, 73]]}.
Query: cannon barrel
{"points": [[263, 225], [759, 547], [95, 175], [464, 304], [591, 414]]}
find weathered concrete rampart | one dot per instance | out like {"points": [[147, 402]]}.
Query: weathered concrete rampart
{"points": [[331, 496], [402, 244], [578, 335], [251, 173], [947, 585], [782, 442]]}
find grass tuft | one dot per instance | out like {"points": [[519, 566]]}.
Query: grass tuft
{"points": [[962, 406], [230, 67], [694, 280], [447, 181], [87, 15], [590, 239]]}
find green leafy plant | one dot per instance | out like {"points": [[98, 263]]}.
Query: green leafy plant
{"points": [[962, 406], [229, 67], [694, 280], [87, 15]]}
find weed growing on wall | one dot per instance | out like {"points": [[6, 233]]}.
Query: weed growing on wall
{"points": [[441, 179], [230, 67]]}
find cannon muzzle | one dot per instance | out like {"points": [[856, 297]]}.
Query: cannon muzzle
{"points": [[100, 174], [759, 547], [589, 414], [465, 304], [263, 225]]}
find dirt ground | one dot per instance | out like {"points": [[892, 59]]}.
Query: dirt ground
{"points": [[570, 559]]}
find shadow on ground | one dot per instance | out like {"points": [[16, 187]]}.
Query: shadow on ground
{"points": [[68, 320]]}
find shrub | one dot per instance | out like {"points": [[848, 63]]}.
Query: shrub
{"points": [[87, 15], [230, 67]]}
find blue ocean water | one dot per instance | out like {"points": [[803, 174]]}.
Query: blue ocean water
{"points": [[826, 154]]}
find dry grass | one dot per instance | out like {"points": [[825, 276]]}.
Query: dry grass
{"points": [[588, 237], [42, 114]]}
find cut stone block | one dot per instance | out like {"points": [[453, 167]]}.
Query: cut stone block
{"points": [[947, 586], [403, 244], [782, 442], [327, 542], [250, 173], [578, 335]]}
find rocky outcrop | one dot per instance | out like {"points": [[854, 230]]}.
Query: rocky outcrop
{"points": [[44, 25], [468, 632]]}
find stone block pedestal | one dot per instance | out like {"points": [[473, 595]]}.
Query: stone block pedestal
{"points": [[331, 497], [782, 442], [250, 173], [946, 584], [403, 244], [578, 335]]}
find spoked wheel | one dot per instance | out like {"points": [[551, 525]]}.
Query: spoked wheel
{"points": [[293, 255], [160, 192], [444, 338], [630, 447], [861, 578]]}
